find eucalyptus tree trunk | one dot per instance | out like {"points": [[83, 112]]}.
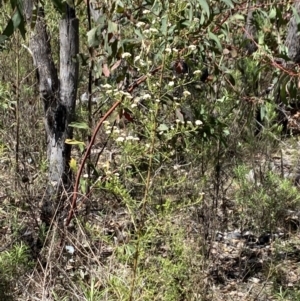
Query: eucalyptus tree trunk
{"points": [[293, 37], [250, 35], [58, 94], [95, 13]]}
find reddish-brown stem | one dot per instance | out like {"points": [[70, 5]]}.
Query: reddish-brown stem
{"points": [[88, 150], [108, 113]]}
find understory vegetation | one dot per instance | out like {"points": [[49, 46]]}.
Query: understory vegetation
{"points": [[191, 189]]}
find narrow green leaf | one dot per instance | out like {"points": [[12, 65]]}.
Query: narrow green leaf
{"points": [[202, 19], [171, 30], [83, 185], [17, 18], [21, 23], [164, 25], [191, 13], [74, 142], [204, 6], [79, 125], [263, 112], [296, 15], [16, 21], [213, 37], [9, 29]]}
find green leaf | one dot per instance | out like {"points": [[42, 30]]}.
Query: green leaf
{"points": [[191, 13], [93, 37], [216, 39], [283, 82], [156, 8], [263, 112], [120, 9], [202, 19], [138, 32], [9, 29], [229, 3], [204, 6], [163, 128], [114, 48], [272, 14], [2, 38], [79, 125], [74, 142], [185, 24], [112, 27], [226, 132], [171, 30], [164, 25], [230, 78], [296, 15], [16, 21], [21, 26], [83, 185]]}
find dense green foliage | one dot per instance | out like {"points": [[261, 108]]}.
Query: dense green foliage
{"points": [[189, 152]]}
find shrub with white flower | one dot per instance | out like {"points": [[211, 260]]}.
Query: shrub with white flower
{"points": [[186, 93], [192, 47], [153, 30], [147, 96], [120, 139], [127, 94], [106, 86], [126, 55], [140, 24]]}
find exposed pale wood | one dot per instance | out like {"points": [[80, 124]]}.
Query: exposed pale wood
{"points": [[58, 95], [293, 37]]}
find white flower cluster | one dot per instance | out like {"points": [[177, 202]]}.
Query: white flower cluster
{"points": [[127, 138], [126, 55]]}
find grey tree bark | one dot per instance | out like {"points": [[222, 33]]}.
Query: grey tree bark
{"points": [[250, 32], [57, 93], [293, 37]]}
